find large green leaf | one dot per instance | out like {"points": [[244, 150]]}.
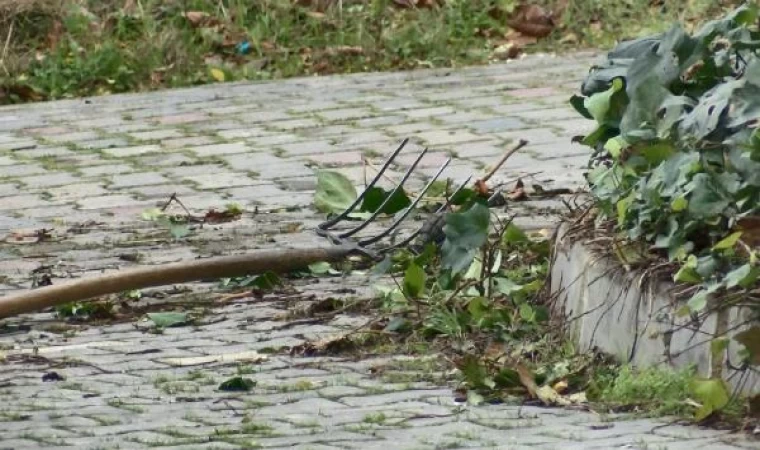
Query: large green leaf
{"points": [[375, 197], [713, 394], [606, 107], [334, 192], [465, 233], [708, 199], [168, 319], [414, 281]]}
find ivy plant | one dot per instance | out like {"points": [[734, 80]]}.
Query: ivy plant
{"points": [[676, 150]]}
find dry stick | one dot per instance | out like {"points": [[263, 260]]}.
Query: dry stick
{"points": [[280, 261], [522, 143], [5, 48]]}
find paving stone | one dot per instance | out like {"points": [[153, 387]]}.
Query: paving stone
{"points": [[448, 137], [49, 179], [183, 118], [346, 114], [22, 201], [136, 179], [220, 149], [307, 148], [496, 125], [158, 134], [240, 133], [105, 201], [184, 142], [73, 137], [99, 144], [131, 151], [76, 191], [20, 170], [107, 169], [43, 152], [221, 180]]}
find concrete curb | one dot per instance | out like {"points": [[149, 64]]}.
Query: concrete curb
{"points": [[634, 319]]}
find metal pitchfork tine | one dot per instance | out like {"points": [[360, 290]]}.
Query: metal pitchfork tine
{"points": [[343, 238]]}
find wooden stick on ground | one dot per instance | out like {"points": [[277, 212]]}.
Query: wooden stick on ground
{"points": [[520, 144], [279, 261]]}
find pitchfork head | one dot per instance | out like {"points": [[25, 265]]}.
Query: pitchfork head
{"points": [[337, 230]]}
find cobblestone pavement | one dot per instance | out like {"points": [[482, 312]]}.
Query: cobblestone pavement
{"points": [[86, 169]]}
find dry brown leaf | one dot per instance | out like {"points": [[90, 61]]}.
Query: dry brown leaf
{"points": [[520, 39], [481, 188], [532, 20], [510, 50], [54, 34], [527, 379], [750, 228], [196, 18]]}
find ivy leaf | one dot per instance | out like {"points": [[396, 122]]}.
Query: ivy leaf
{"points": [[237, 384], [728, 242], [750, 339], [514, 235], [375, 197], [178, 230], [322, 268], [713, 394], [465, 233], [744, 276], [603, 106], [679, 203], [334, 192], [506, 286], [577, 102], [414, 281], [168, 319], [698, 301], [707, 198], [657, 153]]}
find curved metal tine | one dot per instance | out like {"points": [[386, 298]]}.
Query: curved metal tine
{"points": [[374, 215], [397, 221], [411, 237], [493, 196], [328, 223]]}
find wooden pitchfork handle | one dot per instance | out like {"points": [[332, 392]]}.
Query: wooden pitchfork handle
{"points": [[278, 261]]}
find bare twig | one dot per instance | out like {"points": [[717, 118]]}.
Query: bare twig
{"points": [[522, 143]]}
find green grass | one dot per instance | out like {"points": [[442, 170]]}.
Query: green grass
{"points": [[658, 391], [69, 48]]}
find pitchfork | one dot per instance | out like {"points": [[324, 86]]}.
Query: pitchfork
{"points": [[347, 243]]}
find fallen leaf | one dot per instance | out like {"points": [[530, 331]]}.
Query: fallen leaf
{"points": [[52, 376], [218, 74], [510, 50], [549, 396], [237, 384], [249, 357], [168, 319], [214, 216], [560, 386], [532, 20], [527, 379], [196, 18]]}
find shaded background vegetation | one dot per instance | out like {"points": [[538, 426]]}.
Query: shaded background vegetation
{"points": [[64, 48]]}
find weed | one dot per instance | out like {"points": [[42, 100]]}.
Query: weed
{"points": [[119, 403], [377, 418], [658, 391]]}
